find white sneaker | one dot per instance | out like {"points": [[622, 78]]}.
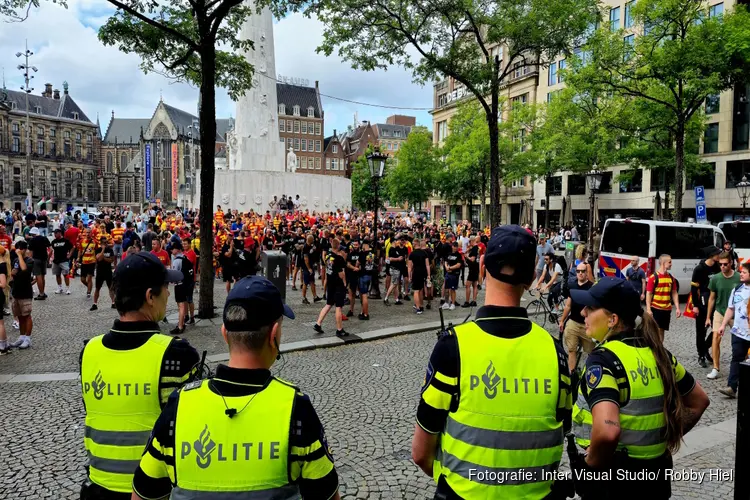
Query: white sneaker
{"points": [[26, 343], [452, 307], [445, 306], [714, 374], [67, 291], [58, 291], [16, 325]]}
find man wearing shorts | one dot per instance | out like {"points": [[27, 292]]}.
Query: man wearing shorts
{"points": [[574, 330], [183, 291], [661, 292], [105, 256], [368, 261], [310, 263], [61, 252], [39, 245], [87, 261], [23, 293], [720, 286], [453, 264], [117, 236], [336, 292], [353, 271], [396, 260]]}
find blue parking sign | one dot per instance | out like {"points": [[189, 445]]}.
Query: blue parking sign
{"points": [[700, 194], [700, 211]]}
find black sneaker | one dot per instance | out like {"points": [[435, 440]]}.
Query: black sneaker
{"points": [[191, 321], [317, 328], [429, 306], [367, 317], [294, 288], [465, 305], [361, 316], [305, 301], [165, 320], [342, 333], [176, 330], [93, 307], [399, 303], [40, 297], [406, 297], [350, 314], [5, 351], [113, 306], [479, 287], [317, 299], [702, 361], [473, 303]]}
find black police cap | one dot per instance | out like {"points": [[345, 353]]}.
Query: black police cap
{"points": [[260, 299], [513, 246]]}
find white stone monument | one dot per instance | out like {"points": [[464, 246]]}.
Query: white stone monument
{"points": [[258, 166]]}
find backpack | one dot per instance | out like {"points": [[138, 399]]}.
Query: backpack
{"points": [[188, 272], [675, 283]]}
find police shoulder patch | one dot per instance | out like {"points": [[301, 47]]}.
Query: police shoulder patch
{"points": [[594, 376], [428, 376], [192, 385]]}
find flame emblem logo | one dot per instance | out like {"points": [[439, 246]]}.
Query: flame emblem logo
{"points": [[643, 372], [203, 446], [491, 381], [98, 385]]}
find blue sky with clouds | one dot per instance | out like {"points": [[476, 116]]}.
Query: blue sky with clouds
{"points": [[103, 79]]}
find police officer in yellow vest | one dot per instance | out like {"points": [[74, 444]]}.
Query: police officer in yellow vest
{"points": [[490, 419], [636, 400], [243, 433], [128, 374]]}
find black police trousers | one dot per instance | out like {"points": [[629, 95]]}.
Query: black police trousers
{"points": [[91, 491], [631, 479]]}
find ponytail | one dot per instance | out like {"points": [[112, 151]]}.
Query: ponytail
{"points": [[648, 330]]}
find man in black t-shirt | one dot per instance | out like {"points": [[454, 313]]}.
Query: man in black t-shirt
{"points": [[61, 253], [574, 330], [105, 256], [297, 259], [453, 264], [309, 263], [22, 292], [419, 274], [228, 262], [397, 262], [4, 349], [368, 276], [336, 291], [353, 272], [472, 281]]}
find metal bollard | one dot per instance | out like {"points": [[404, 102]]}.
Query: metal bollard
{"points": [[742, 452]]}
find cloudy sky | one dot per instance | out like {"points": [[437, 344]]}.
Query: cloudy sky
{"points": [[103, 79]]}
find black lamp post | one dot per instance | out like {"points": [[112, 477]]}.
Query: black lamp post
{"points": [[594, 180], [743, 190], [376, 161]]}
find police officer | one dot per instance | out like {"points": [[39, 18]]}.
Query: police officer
{"points": [[636, 402], [243, 433], [496, 392], [128, 374]]}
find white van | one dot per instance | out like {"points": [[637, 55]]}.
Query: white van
{"points": [[738, 232], [684, 242]]}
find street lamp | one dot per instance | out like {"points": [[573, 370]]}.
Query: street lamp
{"points": [[27, 89], [594, 180], [743, 190], [376, 161]]}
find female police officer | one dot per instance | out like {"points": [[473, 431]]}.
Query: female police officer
{"points": [[636, 402]]}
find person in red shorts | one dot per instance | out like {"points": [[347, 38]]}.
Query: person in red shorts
{"points": [[661, 293]]}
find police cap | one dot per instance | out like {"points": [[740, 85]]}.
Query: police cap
{"points": [[513, 246], [261, 301]]}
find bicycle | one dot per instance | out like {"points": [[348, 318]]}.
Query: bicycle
{"points": [[540, 309]]}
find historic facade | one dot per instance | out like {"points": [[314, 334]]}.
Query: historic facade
{"points": [[64, 150]]}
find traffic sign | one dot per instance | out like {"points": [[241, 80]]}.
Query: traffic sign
{"points": [[700, 211], [700, 194]]}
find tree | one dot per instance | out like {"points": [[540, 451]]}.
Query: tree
{"points": [[682, 57], [179, 39], [363, 185], [411, 180], [481, 45], [18, 10]]}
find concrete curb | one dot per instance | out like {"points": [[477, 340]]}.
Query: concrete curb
{"points": [[301, 345]]}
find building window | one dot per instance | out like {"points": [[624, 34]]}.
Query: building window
{"points": [[317, 146], [53, 189], [75, 115], [317, 163], [52, 148], [552, 79], [442, 130], [576, 184], [296, 110], [79, 151], [78, 137], [662, 179], [328, 164], [735, 171], [123, 162], [317, 129], [282, 109], [15, 128], [629, 22], [128, 192], [89, 138], [296, 127], [555, 186], [282, 125], [560, 67], [288, 143], [310, 112], [40, 148], [282, 141], [614, 19], [40, 131], [296, 144], [519, 100], [705, 177], [110, 161], [310, 163], [711, 138], [304, 144], [16, 147], [634, 184], [716, 10], [66, 135], [712, 104], [52, 132], [304, 127], [38, 110], [335, 148]]}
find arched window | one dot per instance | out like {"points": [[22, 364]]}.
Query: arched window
{"points": [[79, 190], [128, 193], [123, 162], [90, 176], [110, 161], [68, 191], [112, 194]]}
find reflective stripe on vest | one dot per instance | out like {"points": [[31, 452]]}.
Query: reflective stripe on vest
{"points": [[505, 424], [217, 455], [642, 420], [122, 405]]}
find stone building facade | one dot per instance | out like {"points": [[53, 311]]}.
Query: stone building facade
{"points": [[64, 151], [301, 125]]}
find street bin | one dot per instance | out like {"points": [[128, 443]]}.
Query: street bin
{"points": [[274, 264]]}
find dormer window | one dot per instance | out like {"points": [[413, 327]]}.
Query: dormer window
{"points": [[13, 105], [310, 112], [38, 110], [75, 115], [296, 110], [282, 109]]}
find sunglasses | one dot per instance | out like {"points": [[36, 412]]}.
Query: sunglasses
{"points": [[724, 264], [580, 271]]}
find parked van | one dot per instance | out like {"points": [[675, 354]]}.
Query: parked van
{"points": [[684, 242], [738, 232]]}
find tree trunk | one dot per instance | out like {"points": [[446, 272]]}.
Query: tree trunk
{"points": [[494, 167], [679, 170], [208, 175], [547, 181], [483, 202]]}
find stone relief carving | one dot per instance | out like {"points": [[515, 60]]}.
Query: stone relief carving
{"points": [[303, 201], [327, 203], [262, 68], [258, 199], [264, 132], [241, 198], [264, 99], [316, 202], [225, 199]]}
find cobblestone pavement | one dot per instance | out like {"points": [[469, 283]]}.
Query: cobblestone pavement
{"points": [[62, 323], [366, 395]]}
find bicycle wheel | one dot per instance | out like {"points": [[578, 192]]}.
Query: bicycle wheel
{"points": [[537, 312]]}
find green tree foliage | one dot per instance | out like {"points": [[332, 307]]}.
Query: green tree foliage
{"points": [[683, 57], [194, 41], [412, 177], [479, 44], [18, 10], [363, 185]]}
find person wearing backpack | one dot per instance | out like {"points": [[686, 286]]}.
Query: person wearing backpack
{"points": [[661, 293]]}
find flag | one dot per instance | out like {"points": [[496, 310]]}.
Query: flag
{"points": [[689, 308], [41, 202]]}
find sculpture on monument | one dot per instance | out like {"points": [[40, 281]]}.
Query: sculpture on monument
{"points": [[291, 161]]}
